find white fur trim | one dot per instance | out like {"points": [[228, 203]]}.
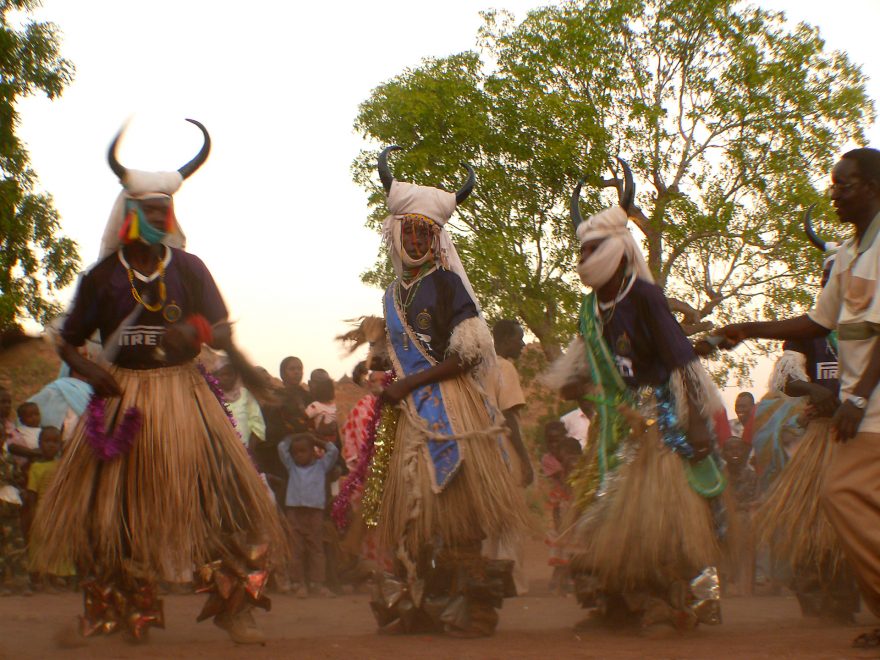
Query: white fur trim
{"points": [[692, 379], [568, 367], [791, 365], [472, 341]]}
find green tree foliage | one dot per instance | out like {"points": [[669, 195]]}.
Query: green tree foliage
{"points": [[35, 259], [731, 121]]}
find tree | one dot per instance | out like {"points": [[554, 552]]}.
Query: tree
{"points": [[729, 119], [35, 260]]}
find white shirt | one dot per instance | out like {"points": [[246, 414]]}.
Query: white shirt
{"points": [[577, 425], [849, 304]]}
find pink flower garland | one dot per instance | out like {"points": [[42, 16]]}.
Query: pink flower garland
{"points": [[217, 391], [356, 479], [109, 446], [214, 384]]}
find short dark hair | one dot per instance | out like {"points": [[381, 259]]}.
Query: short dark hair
{"points": [[284, 364], [505, 328], [569, 444], [554, 425], [46, 429], [868, 162], [27, 405], [747, 395], [297, 438], [359, 373], [322, 389]]}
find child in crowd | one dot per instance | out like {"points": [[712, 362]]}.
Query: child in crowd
{"points": [[322, 417], [39, 477], [305, 501], [555, 466], [13, 574], [744, 486], [322, 411], [8, 432], [244, 407], [25, 445]]}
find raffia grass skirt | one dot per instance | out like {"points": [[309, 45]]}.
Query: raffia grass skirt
{"points": [[791, 520], [649, 527], [180, 497], [481, 500]]}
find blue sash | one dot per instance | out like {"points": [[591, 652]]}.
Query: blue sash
{"points": [[410, 356]]}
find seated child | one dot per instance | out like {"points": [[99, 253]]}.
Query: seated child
{"points": [[304, 502]]}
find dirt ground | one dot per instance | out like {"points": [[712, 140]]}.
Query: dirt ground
{"points": [[534, 626]]}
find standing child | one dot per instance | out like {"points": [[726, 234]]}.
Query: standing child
{"points": [[305, 501], [40, 476], [554, 470]]}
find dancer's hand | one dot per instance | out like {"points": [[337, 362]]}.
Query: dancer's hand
{"points": [[222, 335], [732, 335], [100, 379], [395, 392], [179, 339], [823, 403], [847, 420]]}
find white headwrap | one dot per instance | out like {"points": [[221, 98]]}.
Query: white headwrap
{"points": [[433, 203], [136, 184], [610, 225]]}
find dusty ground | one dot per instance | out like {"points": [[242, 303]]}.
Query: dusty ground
{"points": [[535, 626]]}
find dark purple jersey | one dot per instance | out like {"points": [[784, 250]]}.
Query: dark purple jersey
{"points": [[821, 361], [104, 299], [647, 341], [438, 303]]}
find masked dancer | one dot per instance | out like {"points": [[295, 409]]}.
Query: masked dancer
{"points": [[645, 539], [155, 480], [444, 485]]}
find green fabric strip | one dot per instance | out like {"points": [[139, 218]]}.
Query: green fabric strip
{"points": [[857, 331]]}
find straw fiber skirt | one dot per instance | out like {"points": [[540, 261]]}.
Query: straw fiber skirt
{"points": [[481, 500], [649, 528], [180, 497]]}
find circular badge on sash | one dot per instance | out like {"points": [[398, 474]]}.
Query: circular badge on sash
{"points": [[172, 313], [423, 320]]}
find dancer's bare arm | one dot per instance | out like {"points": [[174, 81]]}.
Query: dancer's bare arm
{"points": [[800, 327], [99, 378], [451, 367]]}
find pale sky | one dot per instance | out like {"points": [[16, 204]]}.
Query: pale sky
{"points": [[273, 213]]}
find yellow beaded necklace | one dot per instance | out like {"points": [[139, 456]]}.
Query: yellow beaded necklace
{"points": [[162, 291]]}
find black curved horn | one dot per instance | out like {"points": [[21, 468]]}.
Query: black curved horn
{"points": [[384, 171], [468, 186], [575, 205], [808, 228], [201, 157], [628, 196], [115, 165]]}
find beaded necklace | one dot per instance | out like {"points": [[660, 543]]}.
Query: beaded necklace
{"points": [[162, 290]]}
